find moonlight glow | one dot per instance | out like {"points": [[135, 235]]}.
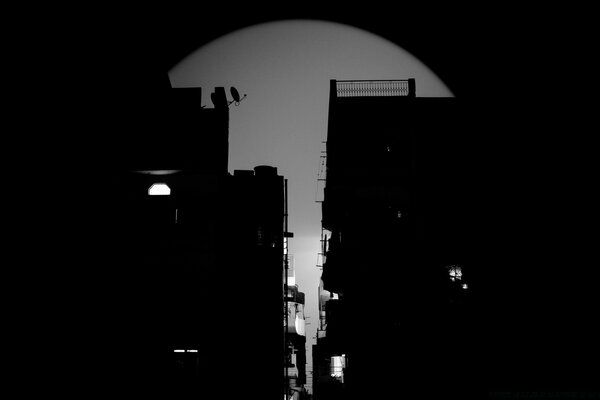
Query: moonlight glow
{"points": [[284, 68]]}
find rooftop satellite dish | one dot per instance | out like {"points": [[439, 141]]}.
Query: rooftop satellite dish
{"points": [[236, 96]]}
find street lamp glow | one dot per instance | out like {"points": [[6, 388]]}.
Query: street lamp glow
{"points": [[159, 189]]}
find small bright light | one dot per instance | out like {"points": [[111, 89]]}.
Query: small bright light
{"points": [[159, 189], [455, 272], [192, 351], [464, 286], [179, 351]]}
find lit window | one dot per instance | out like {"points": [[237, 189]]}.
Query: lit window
{"points": [[159, 189], [337, 367], [455, 273]]}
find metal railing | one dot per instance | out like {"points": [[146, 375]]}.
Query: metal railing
{"points": [[376, 88]]}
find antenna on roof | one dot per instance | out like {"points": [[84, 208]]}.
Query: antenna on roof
{"points": [[236, 96]]}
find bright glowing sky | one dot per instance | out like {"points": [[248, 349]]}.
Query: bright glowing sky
{"points": [[284, 67]]}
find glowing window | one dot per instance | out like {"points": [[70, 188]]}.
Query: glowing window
{"points": [[455, 273], [159, 189], [337, 367]]}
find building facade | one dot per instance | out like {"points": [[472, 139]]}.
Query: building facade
{"points": [[204, 249], [395, 220], [295, 338]]}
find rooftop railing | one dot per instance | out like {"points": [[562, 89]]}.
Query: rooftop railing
{"points": [[376, 88]]}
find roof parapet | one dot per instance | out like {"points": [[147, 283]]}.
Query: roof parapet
{"points": [[375, 88]]}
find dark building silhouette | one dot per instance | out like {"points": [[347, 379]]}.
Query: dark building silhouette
{"points": [[328, 358], [535, 168], [295, 372], [396, 241], [183, 134], [206, 250]]}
